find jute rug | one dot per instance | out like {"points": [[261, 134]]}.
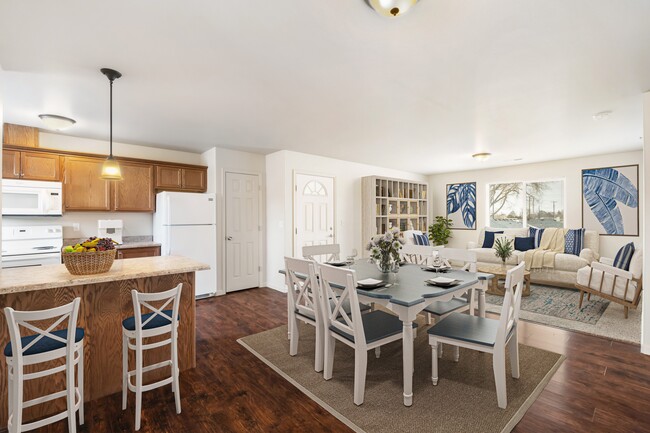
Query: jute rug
{"points": [[464, 399]]}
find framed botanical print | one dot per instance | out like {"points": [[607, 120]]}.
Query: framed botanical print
{"points": [[610, 200], [461, 205]]}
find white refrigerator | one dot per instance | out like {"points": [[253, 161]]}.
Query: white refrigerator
{"points": [[185, 225]]}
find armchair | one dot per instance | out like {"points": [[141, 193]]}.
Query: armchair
{"points": [[611, 283]]}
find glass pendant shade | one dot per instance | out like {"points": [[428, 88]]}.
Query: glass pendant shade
{"points": [[392, 8], [111, 169]]}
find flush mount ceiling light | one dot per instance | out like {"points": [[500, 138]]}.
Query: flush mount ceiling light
{"points": [[602, 115], [481, 156], [391, 8], [111, 168], [58, 123]]}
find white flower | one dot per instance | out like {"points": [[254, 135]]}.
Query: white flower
{"points": [[374, 251], [397, 245], [395, 230], [388, 236]]}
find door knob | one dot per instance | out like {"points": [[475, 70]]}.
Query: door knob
{"points": [[229, 238]]}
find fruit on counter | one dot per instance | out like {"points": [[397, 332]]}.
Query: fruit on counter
{"points": [[91, 245]]}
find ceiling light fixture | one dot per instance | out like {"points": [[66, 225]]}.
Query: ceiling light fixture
{"points": [[111, 168], [391, 8], [602, 115], [56, 122], [481, 156]]}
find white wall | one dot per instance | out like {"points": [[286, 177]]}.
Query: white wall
{"points": [[280, 168], [135, 223], [645, 317], [220, 161], [567, 169], [49, 140]]}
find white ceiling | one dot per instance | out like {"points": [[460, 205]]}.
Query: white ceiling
{"points": [[518, 78]]}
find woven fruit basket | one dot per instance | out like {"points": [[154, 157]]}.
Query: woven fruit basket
{"points": [[88, 263]]}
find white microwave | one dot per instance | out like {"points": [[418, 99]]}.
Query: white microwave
{"points": [[31, 197]]}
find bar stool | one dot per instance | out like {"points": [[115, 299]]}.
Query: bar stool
{"points": [[45, 345], [140, 326]]}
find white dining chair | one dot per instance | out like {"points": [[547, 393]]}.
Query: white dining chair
{"points": [[440, 309], [303, 298], [159, 322], [322, 253], [44, 346], [362, 332], [418, 254], [485, 334]]}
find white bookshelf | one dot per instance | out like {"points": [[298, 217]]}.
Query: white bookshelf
{"points": [[393, 203]]}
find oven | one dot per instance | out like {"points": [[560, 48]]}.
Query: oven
{"points": [[24, 246]]}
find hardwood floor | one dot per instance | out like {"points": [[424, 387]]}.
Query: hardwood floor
{"points": [[603, 386]]}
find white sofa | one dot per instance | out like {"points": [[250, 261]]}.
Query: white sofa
{"points": [[566, 265]]}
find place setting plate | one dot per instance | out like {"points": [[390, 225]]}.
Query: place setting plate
{"points": [[442, 269], [443, 282], [370, 283], [338, 263]]}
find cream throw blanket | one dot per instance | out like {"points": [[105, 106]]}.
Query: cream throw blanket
{"points": [[552, 243]]}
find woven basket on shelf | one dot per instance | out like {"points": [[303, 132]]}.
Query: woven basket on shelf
{"points": [[89, 262]]}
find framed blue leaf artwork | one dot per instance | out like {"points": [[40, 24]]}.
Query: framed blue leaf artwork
{"points": [[461, 205], [610, 200]]}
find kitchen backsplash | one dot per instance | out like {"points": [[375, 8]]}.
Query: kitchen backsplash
{"points": [[125, 239]]}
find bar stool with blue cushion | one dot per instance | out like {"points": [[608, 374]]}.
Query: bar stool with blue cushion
{"points": [[485, 335], [46, 345], [361, 332], [136, 329]]}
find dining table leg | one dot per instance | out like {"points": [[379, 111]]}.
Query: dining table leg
{"points": [[481, 297], [407, 354]]}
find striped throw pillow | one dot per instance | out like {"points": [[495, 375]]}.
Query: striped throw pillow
{"points": [[535, 233], [573, 241], [624, 257], [420, 239]]}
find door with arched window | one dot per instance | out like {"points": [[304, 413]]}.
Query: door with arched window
{"points": [[313, 207]]}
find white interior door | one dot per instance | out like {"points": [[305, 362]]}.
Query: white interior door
{"points": [[242, 231], [313, 211]]}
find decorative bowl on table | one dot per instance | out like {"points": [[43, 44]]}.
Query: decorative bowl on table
{"points": [[93, 256]]}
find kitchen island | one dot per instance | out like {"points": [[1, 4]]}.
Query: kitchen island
{"points": [[105, 302]]}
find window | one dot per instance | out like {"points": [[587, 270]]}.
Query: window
{"points": [[520, 204], [314, 188]]}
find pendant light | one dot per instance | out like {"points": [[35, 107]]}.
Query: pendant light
{"points": [[391, 8], [111, 168]]}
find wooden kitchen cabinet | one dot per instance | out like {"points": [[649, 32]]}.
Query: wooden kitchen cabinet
{"points": [[31, 165], [10, 164], [83, 189], [169, 177], [195, 180], [19, 135], [135, 193], [132, 253], [40, 166], [178, 178]]}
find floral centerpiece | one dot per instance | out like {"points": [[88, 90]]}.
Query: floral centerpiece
{"points": [[384, 250]]}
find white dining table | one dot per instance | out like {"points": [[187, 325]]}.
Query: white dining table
{"points": [[407, 294]]}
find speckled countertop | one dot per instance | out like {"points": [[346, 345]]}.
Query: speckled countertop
{"points": [[53, 276]]}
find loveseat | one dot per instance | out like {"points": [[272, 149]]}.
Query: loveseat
{"points": [[566, 265]]}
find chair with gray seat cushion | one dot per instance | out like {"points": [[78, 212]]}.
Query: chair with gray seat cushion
{"points": [[321, 253], [439, 310], [361, 332], [485, 335], [303, 300]]}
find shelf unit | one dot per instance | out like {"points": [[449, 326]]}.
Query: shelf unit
{"points": [[391, 203]]}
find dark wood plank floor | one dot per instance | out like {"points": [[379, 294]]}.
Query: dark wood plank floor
{"points": [[603, 386]]}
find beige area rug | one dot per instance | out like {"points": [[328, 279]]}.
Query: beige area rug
{"points": [[612, 324], [464, 399]]}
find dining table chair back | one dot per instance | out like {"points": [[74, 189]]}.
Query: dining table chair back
{"points": [[335, 312], [465, 257], [418, 254], [321, 253]]}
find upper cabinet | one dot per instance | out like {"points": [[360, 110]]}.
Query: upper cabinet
{"points": [[135, 192], [19, 135], [179, 178], [31, 165], [83, 189]]}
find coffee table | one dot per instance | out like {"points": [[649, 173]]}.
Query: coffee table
{"points": [[499, 272]]}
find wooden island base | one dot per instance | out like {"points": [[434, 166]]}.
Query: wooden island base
{"points": [[103, 307]]}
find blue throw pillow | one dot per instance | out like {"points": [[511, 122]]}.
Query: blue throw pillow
{"points": [[573, 241], [420, 239], [536, 233], [624, 257], [488, 240], [524, 244]]}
